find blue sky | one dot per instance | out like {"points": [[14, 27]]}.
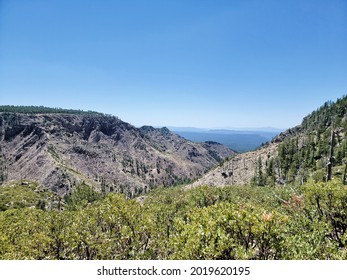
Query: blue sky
{"points": [[207, 63]]}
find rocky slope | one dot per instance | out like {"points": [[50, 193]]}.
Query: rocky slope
{"points": [[294, 156], [239, 170], [59, 150]]}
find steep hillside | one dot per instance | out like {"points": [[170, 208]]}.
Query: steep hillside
{"points": [[303, 152], [60, 148]]}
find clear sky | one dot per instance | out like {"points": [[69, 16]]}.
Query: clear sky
{"points": [[202, 63]]}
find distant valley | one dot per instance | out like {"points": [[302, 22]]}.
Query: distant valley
{"points": [[314, 150], [238, 140]]}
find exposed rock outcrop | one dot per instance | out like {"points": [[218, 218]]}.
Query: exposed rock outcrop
{"points": [[238, 170], [60, 150]]}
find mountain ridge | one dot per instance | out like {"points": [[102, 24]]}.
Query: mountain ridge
{"points": [[60, 150]]}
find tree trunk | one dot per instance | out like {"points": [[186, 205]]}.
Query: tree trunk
{"points": [[331, 156]]}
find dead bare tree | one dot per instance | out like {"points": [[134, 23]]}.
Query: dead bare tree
{"points": [[331, 156]]}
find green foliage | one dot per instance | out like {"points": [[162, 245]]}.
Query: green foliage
{"points": [[24, 234], [227, 231], [243, 222], [80, 196], [42, 110], [25, 194], [329, 204], [326, 114], [259, 178]]}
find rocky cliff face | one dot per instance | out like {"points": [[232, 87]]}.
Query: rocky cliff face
{"points": [[60, 150]]}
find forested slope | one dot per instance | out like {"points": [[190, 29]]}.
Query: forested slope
{"points": [[296, 155]]}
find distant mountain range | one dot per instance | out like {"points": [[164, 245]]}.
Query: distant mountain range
{"points": [[238, 140], [226, 129]]}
